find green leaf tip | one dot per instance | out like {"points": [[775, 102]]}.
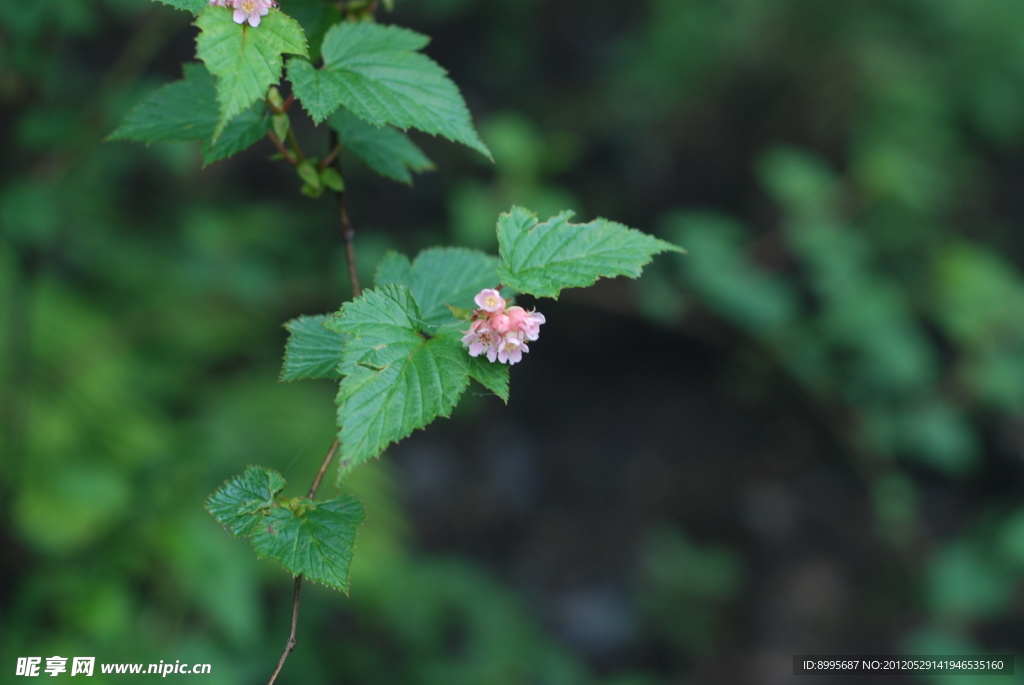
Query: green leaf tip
{"points": [[460, 313], [543, 258], [309, 538], [494, 377], [176, 112], [187, 110]]}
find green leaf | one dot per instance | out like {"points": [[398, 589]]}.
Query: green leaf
{"points": [[543, 258], [313, 88], [240, 502], [281, 125], [378, 74], [245, 130], [387, 151], [193, 6], [312, 350], [494, 377], [441, 276], [180, 111], [330, 178], [393, 267], [245, 60], [314, 539], [187, 110], [312, 191], [460, 313], [308, 173], [374, 321], [398, 380], [317, 543]]}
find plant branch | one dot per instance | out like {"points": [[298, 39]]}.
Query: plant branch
{"points": [[292, 640], [347, 232], [281, 148], [285, 104], [291, 637], [323, 469], [294, 142], [329, 159]]}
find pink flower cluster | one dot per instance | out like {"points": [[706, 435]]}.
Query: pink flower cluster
{"points": [[500, 332], [246, 10]]}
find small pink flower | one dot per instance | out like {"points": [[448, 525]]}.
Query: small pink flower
{"points": [[500, 333], [481, 338], [489, 300], [218, 3], [512, 348], [527, 322], [500, 322], [251, 11]]}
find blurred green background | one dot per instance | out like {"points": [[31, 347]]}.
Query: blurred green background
{"points": [[805, 436]]}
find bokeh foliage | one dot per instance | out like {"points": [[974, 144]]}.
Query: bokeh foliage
{"points": [[846, 178]]}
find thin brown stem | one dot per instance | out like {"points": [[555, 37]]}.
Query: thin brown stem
{"points": [[323, 469], [294, 142], [295, 156], [350, 251], [348, 233], [329, 159], [281, 148], [285, 105], [292, 640]]}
